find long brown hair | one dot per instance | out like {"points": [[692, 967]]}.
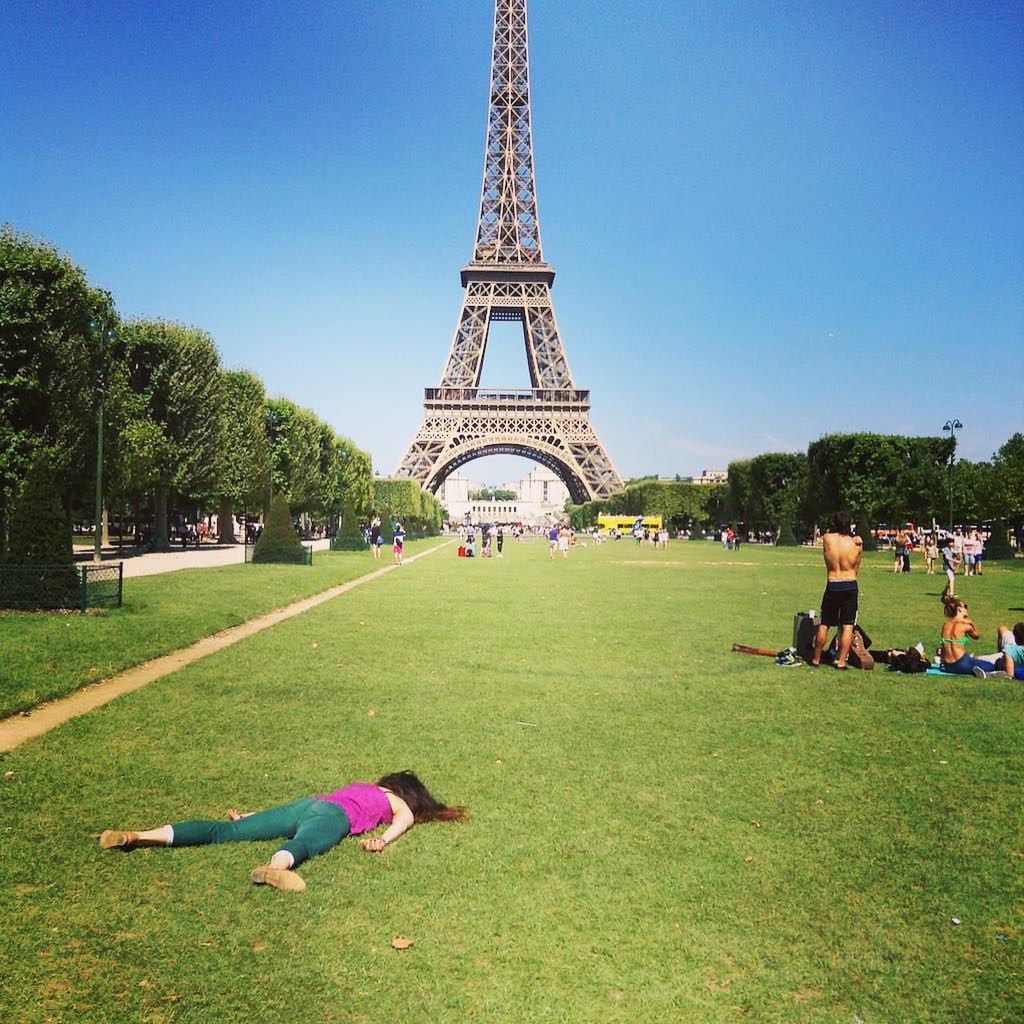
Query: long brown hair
{"points": [[951, 605], [423, 805]]}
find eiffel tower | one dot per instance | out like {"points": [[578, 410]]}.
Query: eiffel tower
{"points": [[508, 280]]}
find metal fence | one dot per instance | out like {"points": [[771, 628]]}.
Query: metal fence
{"points": [[51, 587]]}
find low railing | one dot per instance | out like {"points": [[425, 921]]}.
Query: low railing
{"points": [[41, 587], [547, 396], [306, 559]]}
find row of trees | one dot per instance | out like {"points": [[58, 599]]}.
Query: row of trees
{"points": [[683, 505], [493, 494], [878, 478], [180, 430]]}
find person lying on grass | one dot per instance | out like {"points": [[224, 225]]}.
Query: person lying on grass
{"points": [[957, 633], [311, 825], [1011, 646]]}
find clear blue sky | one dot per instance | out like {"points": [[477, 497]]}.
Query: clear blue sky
{"points": [[769, 220]]}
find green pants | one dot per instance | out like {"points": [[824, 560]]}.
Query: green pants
{"points": [[311, 826]]}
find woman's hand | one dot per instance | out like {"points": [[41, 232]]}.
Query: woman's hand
{"points": [[234, 815], [374, 844]]}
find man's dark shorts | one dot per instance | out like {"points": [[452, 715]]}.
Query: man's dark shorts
{"points": [[839, 603]]}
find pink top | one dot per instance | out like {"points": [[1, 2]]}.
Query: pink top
{"points": [[365, 804]]}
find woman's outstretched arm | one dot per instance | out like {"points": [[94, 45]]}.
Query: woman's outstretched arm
{"points": [[400, 824]]}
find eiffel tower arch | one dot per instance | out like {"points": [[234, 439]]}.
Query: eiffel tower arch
{"points": [[508, 280]]}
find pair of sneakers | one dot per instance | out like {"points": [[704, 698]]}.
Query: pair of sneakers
{"points": [[979, 673]]}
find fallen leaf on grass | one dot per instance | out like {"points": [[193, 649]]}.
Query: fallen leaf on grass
{"points": [[258, 947], [370, 713], [748, 859], [756, 824], [315, 645], [401, 942]]}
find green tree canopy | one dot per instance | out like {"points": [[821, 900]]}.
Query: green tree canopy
{"points": [[876, 477], [173, 428], [51, 365], [739, 504], [493, 494], [245, 455], [778, 485], [294, 436]]}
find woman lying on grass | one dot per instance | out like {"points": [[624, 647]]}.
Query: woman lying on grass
{"points": [[957, 633], [311, 825]]}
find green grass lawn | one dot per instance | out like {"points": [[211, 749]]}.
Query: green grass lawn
{"points": [[661, 830], [43, 656]]}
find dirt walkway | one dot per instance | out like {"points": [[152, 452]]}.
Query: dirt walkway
{"points": [[20, 728]]}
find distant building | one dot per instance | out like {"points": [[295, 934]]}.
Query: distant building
{"points": [[712, 476], [707, 477], [540, 498]]}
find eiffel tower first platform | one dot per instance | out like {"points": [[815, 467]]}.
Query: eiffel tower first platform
{"points": [[509, 280]]}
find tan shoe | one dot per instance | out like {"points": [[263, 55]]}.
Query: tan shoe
{"points": [[114, 839], [279, 878]]}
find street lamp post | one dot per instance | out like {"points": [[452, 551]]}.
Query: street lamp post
{"points": [[104, 334], [952, 426]]}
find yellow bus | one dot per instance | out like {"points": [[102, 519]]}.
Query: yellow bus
{"points": [[625, 525]]}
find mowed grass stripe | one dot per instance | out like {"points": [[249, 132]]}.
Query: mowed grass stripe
{"points": [[47, 656], [661, 829], [19, 729]]}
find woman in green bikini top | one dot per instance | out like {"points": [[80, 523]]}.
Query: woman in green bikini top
{"points": [[957, 631]]}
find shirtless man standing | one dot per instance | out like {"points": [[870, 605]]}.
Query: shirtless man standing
{"points": [[843, 553]]}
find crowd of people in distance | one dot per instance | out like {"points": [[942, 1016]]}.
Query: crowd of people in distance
{"points": [[967, 550], [492, 539]]}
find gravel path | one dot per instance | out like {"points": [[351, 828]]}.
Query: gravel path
{"points": [[153, 562]]}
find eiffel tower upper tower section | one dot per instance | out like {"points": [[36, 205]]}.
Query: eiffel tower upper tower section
{"points": [[508, 230], [508, 265]]}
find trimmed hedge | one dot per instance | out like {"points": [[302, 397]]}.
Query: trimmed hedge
{"points": [[39, 544], [279, 542]]}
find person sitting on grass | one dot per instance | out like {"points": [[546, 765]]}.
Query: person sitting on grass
{"points": [[957, 633], [311, 825]]}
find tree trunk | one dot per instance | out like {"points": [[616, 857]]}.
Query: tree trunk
{"points": [[226, 522], [161, 540]]}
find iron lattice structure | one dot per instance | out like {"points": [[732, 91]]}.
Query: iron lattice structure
{"points": [[509, 280]]}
